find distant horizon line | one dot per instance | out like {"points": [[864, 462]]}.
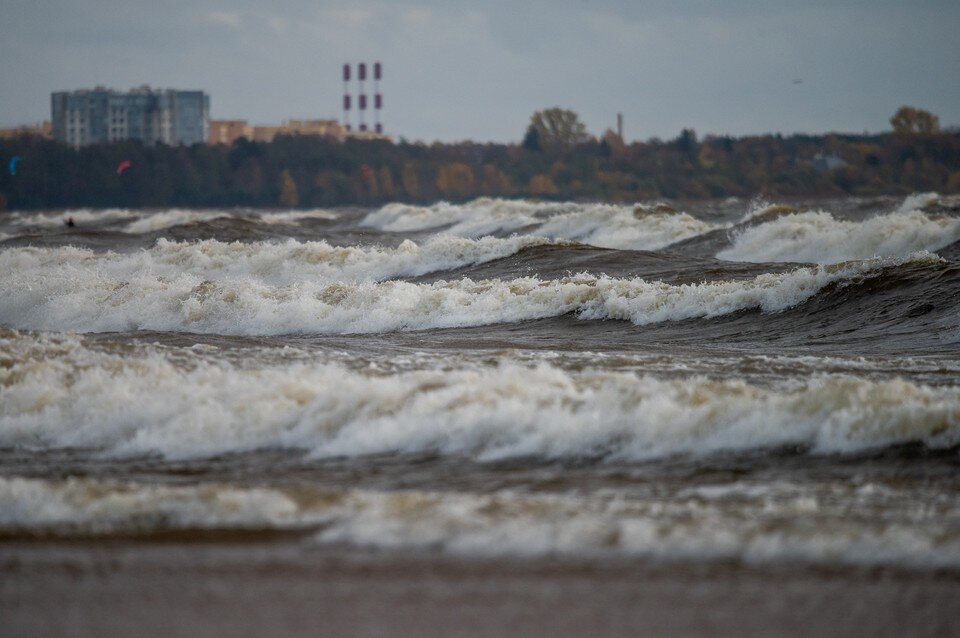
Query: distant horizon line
{"points": [[948, 129]]}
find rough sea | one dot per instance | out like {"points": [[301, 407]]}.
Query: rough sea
{"points": [[746, 381]]}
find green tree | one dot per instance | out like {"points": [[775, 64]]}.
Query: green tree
{"points": [[687, 142], [910, 121], [531, 140], [557, 128]]}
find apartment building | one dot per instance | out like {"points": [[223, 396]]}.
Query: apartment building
{"points": [[100, 115]]}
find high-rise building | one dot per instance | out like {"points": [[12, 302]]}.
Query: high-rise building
{"points": [[98, 116]]}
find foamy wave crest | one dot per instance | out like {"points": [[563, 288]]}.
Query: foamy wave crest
{"points": [[63, 395], [295, 216], [137, 221], [738, 521], [763, 211], [152, 222], [98, 508], [68, 289], [624, 227], [481, 216], [818, 237], [269, 263], [918, 201], [604, 225]]}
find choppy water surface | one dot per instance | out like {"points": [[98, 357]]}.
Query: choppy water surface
{"points": [[734, 380]]}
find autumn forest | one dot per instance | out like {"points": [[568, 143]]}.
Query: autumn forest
{"points": [[556, 159]]}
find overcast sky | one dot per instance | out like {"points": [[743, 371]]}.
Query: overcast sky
{"points": [[458, 70]]}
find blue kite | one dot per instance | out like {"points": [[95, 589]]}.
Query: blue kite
{"points": [[13, 164]]}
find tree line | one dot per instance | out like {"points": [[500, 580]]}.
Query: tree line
{"points": [[555, 160]]}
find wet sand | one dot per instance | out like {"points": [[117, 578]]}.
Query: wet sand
{"points": [[275, 588]]}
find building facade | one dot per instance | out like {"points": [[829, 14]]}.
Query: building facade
{"points": [[100, 116], [229, 131], [43, 129]]}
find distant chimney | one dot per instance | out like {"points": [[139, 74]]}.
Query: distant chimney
{"points": [[361, 102]]}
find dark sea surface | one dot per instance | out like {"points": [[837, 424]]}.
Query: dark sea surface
{"points": [[762, 383]]}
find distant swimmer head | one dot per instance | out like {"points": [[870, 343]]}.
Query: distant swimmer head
{"points": [[69, 222]]}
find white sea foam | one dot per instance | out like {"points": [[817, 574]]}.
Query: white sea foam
{"points": [[74, 289], [480, 216], [818, 237], [624, 227], [604, 225], [102, 508], [759, 524], [63, 395], [295, 216], [269, 263], [918, 201], [137, 221]]}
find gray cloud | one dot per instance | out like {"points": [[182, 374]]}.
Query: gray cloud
{"points": [[456, 69]]}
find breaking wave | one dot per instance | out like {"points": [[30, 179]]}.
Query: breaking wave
{"points": [[481, 216], [274, 263], [169, 218], [740, 521], [75, 290], [634, 228], [603, 225], [61, 394], [918, 201], [818, 237]]}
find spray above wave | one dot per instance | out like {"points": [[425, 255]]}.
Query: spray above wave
{"points": [[603, 225], [918, 201], [88, 298], [818, 237], [68, 396]]}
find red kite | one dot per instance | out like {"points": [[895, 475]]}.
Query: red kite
{"points": [[122, 166]]}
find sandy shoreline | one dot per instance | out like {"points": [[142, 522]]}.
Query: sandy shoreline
{"points": [[282, 588]]}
